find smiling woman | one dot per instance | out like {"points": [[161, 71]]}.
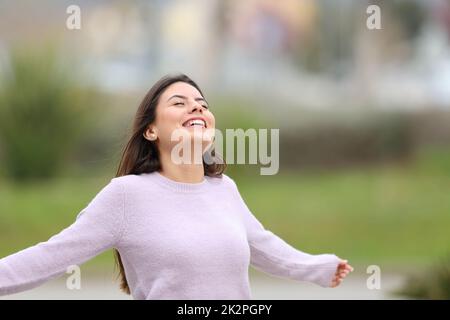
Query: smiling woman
{"points": [[180, 106], [181, 231]]}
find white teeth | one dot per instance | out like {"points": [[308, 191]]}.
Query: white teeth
{"points": [[195, 122]]}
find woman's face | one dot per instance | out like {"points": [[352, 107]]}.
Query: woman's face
{"points": [[182, 109]]}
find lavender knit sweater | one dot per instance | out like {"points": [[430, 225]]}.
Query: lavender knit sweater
{"points": [[177, 241]]}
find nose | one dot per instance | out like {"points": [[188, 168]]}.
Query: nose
{"points": [[196, 107]]}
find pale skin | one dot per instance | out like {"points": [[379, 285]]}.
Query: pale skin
{"points": [[178, 103]]}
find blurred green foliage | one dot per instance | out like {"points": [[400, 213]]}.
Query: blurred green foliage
{"points": [[237, 112], [43, 113], [431, 283], [375, 138]]}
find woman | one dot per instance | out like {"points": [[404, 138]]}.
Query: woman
{"points": [[179, 230]]}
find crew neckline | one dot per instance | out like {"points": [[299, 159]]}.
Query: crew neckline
{"points": [[179, 186]]}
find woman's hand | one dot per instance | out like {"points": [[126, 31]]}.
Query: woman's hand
{"points": [[342, 271]]}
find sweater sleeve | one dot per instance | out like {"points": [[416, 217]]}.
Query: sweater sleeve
{"points": [[272, 255], [96, 228]]}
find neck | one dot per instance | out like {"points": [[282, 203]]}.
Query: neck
{"points": [[187, 173]]}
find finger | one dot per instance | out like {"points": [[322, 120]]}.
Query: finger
{"points": [[337, 280], [343, 262], [347, 268], [339, 270], [335, 283], [343, 270]]}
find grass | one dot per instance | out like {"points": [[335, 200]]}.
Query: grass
{"points": [[393, 215]]}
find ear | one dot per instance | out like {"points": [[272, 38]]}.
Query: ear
{"points": [[150, 133]]}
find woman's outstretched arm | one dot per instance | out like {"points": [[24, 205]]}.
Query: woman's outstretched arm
{"points": [[98, 227], [271, 254]]}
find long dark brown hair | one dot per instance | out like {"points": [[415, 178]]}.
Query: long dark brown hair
{"points": [[142, 156]]}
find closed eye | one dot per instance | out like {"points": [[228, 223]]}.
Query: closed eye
{"points": [[181, 103]]}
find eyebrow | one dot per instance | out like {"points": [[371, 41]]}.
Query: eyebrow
{"points": [[184, 97]]}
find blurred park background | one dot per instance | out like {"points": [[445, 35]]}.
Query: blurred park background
{"points": [[364, 117]]}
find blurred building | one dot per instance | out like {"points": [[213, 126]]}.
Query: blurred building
{"points": [[311, 54]]}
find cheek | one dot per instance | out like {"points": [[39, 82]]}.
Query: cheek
{"points": [[170, 120], [212, 120]]}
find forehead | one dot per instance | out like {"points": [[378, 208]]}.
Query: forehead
{"points": [[181, 88]]}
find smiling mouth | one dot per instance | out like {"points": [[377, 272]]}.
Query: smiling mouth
{"points": [[195, 123]]}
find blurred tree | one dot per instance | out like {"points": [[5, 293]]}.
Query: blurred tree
{"points": [[42, 112], [411, 15], [433, 283]]}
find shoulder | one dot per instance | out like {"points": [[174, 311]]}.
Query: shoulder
{"points": [[228, 180], [118, 186], [223, 181], [128, 180]]}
